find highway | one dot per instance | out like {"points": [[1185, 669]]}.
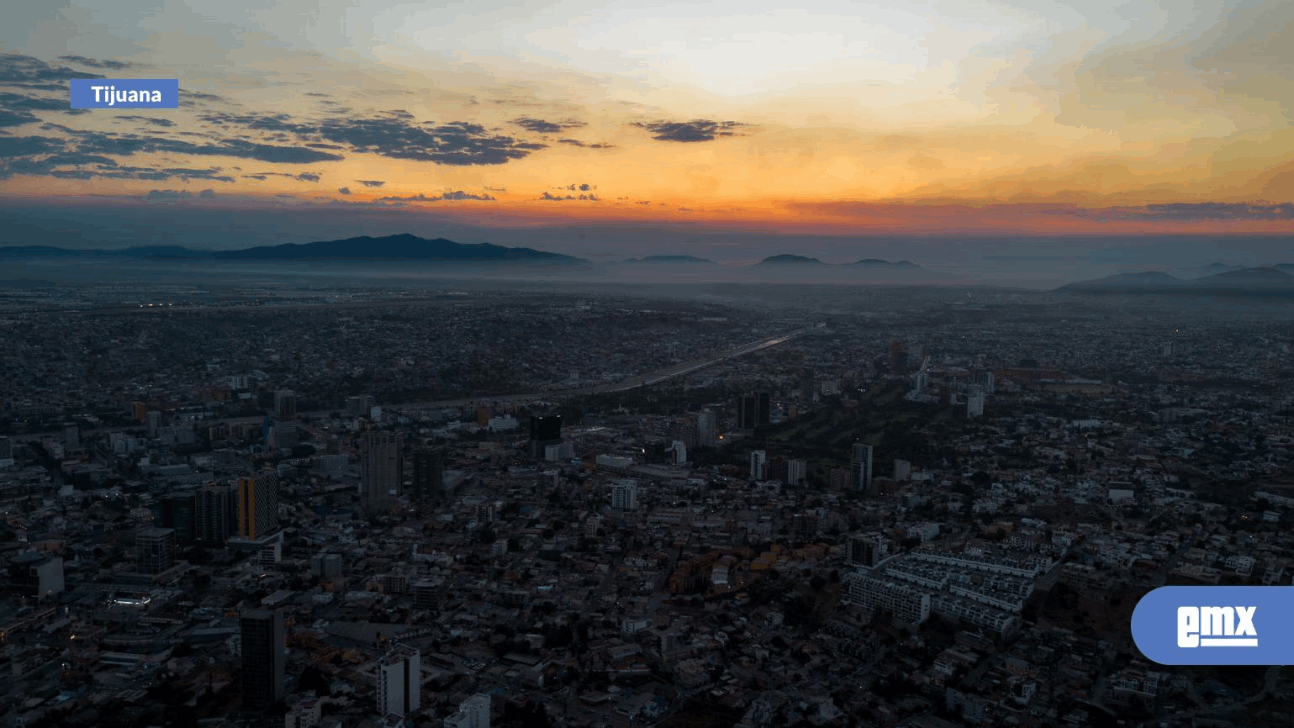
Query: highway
{"points": [[643, 380]]}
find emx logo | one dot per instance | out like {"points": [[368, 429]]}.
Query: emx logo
{"points": [[1216, 627], [1200, 625]]}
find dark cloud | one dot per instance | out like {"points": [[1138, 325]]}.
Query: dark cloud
{"points": [[563, 198], [317, 94], [539, 126], [455, 143], [643, 202], [191, 99], [15, 118], [684, 209], [302, 177], [50, 156], [154, 120], [10, 100], [585, 145], [344, 190], [125, 145], [1187, 211], [580, 187], [394, 134], [176, 195], [12, 147], [700, 130], [448, 196], [94, 63], [259, 122], [212, 173], [28, 72], [371, 182]]}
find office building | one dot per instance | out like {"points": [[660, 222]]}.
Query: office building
{"points": [[559, 452], [753, 410], [472, 713], [902, 470], [359, 406], [258, 505], [283, 435], [177, 511], [379, 470], [758, 463], [860, 467], [867, 550], [262, 656], [428, 484], [155, 550], [796, 472], [215, 513], [624, 495], [154, 422], [36, 574], [974, 406], [285, 404], [677, 453], [544, 431], [399, 682], [325, 566]]}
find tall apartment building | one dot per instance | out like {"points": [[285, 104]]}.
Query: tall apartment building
{"points": [[262, 657], [428, 484], [258, 505], [155, 550], [758, 465], [215, 513], [399, 683], [860, 466], [285, 404], [379, 470], [624, 495]]}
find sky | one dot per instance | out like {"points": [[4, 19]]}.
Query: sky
{"points": [[840, 122]]}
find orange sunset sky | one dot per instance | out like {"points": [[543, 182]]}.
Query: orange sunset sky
{"points": [[837, 118]]}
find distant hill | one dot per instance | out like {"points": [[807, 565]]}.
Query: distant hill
{"points": [[394, 247], [786, 258], [684, 259], [1212, 268], [878, 264], [1246, 280], [1141, 280]]}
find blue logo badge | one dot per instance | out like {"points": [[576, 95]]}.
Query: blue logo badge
{"points": [[125, 93], [1216, 625]]}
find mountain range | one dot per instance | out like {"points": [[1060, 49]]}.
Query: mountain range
{"points": [[871, 264], [1263, 279], [393, 247]]}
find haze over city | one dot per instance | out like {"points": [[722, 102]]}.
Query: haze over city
{"points": [[374, 364]]}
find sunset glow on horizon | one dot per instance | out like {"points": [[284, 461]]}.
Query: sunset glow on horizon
{"points": [[831, 118]]}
